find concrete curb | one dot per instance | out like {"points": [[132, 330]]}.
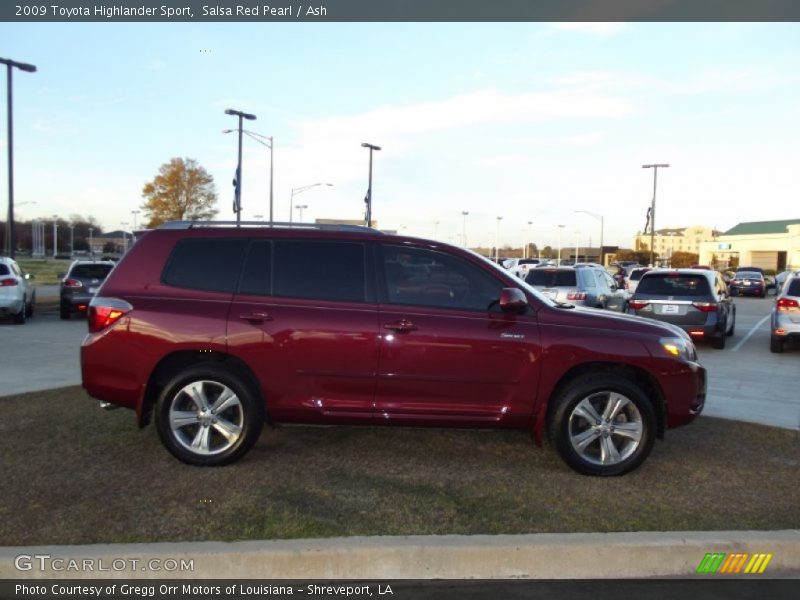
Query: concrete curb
{"points": [[539, 556]]}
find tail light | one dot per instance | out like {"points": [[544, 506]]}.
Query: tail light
{"points": [[576, 296], [8, 282], [786, 304], [72, 283], [705, 306], [638, 304], [104, 312]]}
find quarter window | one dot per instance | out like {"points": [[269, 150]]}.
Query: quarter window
{"points": [[211, 265]]}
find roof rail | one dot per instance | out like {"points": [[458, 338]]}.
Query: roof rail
{"points": [[268, 225]]}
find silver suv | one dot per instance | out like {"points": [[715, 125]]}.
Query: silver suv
{"points": [[786, 314], [582, 286]]}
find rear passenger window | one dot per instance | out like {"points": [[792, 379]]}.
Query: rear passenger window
{"points": [[256, 278], [211, 265], [319, 270]]}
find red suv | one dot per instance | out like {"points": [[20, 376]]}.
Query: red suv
{"points": [[217, 329]]}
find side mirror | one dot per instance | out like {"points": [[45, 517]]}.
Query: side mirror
{"points": [[513, 300]]}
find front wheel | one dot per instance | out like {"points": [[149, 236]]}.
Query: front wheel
{"points": [[206, 415], [603, 425], [775, 344]]}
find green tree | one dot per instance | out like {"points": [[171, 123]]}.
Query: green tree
{"points": [[182, 190]]}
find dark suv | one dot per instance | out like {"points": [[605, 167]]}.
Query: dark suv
{"points": [[80, 283], [215, 329]]}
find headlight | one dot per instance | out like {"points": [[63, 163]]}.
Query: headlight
{"points": [[679, 348]]}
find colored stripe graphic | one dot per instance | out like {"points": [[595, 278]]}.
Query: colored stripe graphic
{"points": [[733, 564]]}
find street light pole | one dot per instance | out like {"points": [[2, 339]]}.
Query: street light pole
{"points": [[529, 244], [560, 228], [464, 214], [655, 168], [368, 200], [55, 235], [269, 143], [91, 244], [600, 217], [300, 208], [497, 240], [71, 240], [300, 190], [10, 64], [237, 200]]}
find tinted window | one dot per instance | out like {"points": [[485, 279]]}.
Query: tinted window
{"points": [[748, 275], [551, 278], [636, 274], [256, 277], [4, 270], [422, 277], [793, 288], [319, 270], [212, 265], [674, 284], [90, 271]]}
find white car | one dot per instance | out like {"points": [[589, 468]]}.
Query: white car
{"points": [[17, 297], [521, 266]]}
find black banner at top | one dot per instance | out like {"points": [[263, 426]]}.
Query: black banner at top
{"points": [[398, 10]]}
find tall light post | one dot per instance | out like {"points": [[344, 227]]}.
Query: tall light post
{"points": [[269, 142], [577, 246], [91, 244], [124, 237], [560, 229], [368, 199], [300, 190], [55, 235], [135, 214], [71, 240], [435, 229], [237, 199], [529, 244], [10, 65], [497, 240], [600, 218], [655, 168], [300, 208], [464, 215]]}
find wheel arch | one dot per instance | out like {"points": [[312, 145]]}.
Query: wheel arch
{"points": [[177, 361], [632, 373]]}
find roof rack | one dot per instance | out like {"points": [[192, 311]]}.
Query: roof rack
{"points": [[269, 225]]}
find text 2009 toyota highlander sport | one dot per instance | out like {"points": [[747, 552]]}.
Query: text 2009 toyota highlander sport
{"points": [[215, 330]]}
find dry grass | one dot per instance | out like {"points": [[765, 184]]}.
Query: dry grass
{"points": [[74, 474]]}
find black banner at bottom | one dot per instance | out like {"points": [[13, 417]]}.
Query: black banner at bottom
{"points": [[224, 589]]}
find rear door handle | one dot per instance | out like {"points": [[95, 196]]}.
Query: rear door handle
{"points": [[257, 316], [402, 326]]}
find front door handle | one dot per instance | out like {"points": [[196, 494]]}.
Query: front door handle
{"points": [[401, 326], [257, 316]]}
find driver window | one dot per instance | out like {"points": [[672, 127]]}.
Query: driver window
{"points": [[421, 277]]}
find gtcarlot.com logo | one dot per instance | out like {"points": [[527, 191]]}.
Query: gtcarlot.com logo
{"points": [[720, 563]]}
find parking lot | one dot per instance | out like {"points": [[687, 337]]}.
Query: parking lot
{"points": [[746, 381]]}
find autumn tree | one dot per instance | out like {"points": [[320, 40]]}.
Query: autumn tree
{"points": [[182, 190]]}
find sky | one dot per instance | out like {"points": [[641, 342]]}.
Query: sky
{"points": [[530, 122]]}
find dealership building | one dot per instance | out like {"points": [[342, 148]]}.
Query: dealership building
{"points": [[766, 244]]}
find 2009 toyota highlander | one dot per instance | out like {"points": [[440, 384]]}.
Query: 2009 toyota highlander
{"points": [[216, 329]]}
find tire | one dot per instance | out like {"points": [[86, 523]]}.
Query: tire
{"points": [[589, 442], [64, 312], [775, 344], [20, 317], [733, 325], [30, 307], [718, 343], [190, 426]]}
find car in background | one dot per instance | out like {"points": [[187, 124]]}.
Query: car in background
{"points": [[748, 283], [80, 284], [17, 295], [635, 276], [785, 318], [583, 286], [781, 278], [523, 265], [695, 300]]}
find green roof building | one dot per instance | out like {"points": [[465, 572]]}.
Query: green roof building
{"points": [[766, 244]]}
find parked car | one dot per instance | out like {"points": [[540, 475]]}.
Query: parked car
{"points": [[635, 277], [80, 283], [696, 300], [17, 295], [748, 283], [215, 330], [523, 265], [785, 318], [581, 286]]}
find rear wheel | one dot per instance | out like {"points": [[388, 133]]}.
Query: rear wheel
{"points": [[718, 342], [206, 415], [20, 317], [64, 311], [733, 324], [775, 344], [603, 425]]}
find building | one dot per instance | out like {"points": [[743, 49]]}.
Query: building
{"points": [[668, 241], [766, 244]]}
